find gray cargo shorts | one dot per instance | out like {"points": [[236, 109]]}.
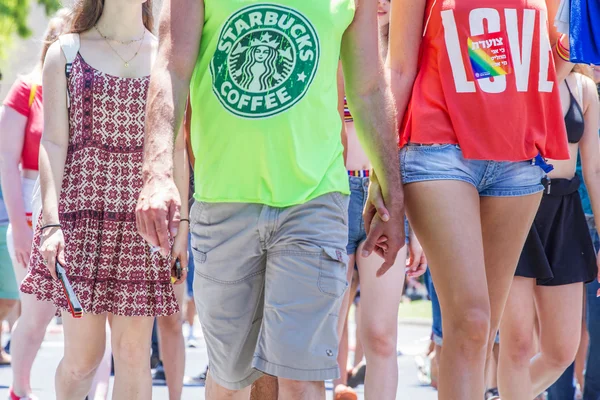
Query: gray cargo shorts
{"points": [[268, 287]]}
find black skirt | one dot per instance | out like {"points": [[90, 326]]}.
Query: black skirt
{"points": [[559, 249]]}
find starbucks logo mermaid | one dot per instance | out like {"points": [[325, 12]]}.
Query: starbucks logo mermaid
{"points": [[264, 64], [266, 59]]}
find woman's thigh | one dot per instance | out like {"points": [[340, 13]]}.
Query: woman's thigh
{"points": [[85, 339], [445, 216]]}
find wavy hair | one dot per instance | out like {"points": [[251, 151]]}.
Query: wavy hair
{"points": [[86, 14], [58, 25]]}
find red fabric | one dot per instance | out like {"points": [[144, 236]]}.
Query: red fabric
{"points": [[505, 118], [18, 100]]}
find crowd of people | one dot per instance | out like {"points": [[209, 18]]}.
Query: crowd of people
{"points": [[266, 165]]}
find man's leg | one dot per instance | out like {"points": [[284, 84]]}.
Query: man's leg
{"points": [[229, 292], [304, 285], [266, 388]]}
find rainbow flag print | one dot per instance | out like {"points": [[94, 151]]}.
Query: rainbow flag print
{"points": [[489, 55]]}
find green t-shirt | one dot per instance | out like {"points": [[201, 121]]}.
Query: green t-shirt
{"points": [[265, 124]]}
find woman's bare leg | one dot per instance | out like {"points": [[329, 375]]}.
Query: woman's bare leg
{"points": [[582, 353], [359, 351], [131, 338], [380, 299], [99, 390], [560, 313], [445, 215], [505, 224], [518, 341], [27, 335], [172, 347], [84, 349]]}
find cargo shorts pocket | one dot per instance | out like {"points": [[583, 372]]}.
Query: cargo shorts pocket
{"points": [[332, 272]]}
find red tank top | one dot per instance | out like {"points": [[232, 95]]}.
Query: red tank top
{"points": [[487, 81], [26, 99]]}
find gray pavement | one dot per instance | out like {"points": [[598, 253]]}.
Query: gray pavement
{"points": [[412, 341]]}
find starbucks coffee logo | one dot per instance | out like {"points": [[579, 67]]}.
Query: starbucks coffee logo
{"points": [[265, 62]]}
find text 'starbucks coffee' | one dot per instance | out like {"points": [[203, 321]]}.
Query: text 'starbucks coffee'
{"points": [[265, 124], [265, 61]]}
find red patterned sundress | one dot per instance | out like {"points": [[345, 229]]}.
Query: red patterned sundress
{"points": [[108, 263]]}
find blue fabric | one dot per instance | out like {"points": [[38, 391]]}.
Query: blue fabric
{"points": [[564, 387], [585, 32], [436, 327]]}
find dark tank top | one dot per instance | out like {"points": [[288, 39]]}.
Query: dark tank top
{"points": [[574, 119]]}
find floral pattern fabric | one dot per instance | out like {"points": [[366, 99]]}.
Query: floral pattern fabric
{"points": [[109, 265]]}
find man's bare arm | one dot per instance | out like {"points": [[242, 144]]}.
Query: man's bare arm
{"points": [[372, 107], [180, 32], [179, 43]]}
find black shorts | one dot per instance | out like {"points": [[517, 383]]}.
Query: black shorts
{"points": [[559, 249]]}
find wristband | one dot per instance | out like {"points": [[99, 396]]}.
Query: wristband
{"points": [[50, 226], [184, 220]]}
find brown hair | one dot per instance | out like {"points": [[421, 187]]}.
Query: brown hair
{"points": [[86, 14], [58, 25], [584, 69]]}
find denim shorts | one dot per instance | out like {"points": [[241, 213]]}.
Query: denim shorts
{"points": [[359, 188], [491, 178]]}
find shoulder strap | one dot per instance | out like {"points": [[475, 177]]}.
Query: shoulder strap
{"points": [[32, 93], [580, 89], [70, 47]]}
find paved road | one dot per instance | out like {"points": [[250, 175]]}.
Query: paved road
{"points": [[412, 341]]}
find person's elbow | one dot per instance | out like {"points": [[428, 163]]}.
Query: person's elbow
{"points": [[9, 161], [591, 173]]}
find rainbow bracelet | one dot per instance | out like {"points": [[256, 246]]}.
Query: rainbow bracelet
{"points": [[562, 51]]}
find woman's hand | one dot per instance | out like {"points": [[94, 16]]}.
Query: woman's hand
{"points": [[179, 251], [416, 265], [52, 248], [22, 239]]}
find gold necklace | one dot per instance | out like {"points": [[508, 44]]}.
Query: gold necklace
{"points": [[117, 53]]}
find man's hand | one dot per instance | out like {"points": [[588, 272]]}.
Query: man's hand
{"points": [[385, 228], [157, 213]]}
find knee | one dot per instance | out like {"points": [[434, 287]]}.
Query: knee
{"points": [[171, 325], [380, 341], [469, 331], [131, 353], [82, 367], [6, 305], [518, 346], [561, 355]]}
